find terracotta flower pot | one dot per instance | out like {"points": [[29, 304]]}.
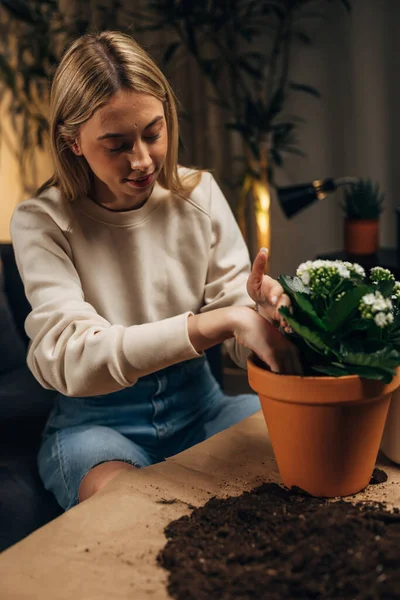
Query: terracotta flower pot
{"points": [[361, 237], [325, 431]]}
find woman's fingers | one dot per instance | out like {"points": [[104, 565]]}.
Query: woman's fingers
{"points": [[255, 279], [272, 290], [298, 367], [285, 362], [294, 363], [274, 364], [283, 300]]}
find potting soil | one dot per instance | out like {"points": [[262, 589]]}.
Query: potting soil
{"points": [[272, 543]]}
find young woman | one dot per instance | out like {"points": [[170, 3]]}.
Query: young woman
{"points": [[133, 266]]}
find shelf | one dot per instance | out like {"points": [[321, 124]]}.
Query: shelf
{"points": [[385, 257]]}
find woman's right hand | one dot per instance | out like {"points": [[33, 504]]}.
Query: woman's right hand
{"points": [[249, 329], [259, 335]]}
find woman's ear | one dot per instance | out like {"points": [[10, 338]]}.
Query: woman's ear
{"points": [[70, 138], [76, 147]]}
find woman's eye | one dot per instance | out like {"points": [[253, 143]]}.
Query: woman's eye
{"points": [[125, 147], [152, 138], [119, 149]]}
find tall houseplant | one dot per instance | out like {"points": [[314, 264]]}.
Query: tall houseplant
{"points": [[362, 207], [244, 49], [326, 427]]}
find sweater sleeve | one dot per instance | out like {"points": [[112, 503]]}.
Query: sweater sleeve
{"points": [[73, 349], [229, 266]]}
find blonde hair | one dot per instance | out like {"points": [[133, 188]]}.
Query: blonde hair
{"points": [[93, 69]]}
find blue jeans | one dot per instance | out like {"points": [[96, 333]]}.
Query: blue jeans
{"points": [[161, 415]]}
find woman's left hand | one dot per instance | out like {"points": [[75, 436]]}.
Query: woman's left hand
{"points": [[266, 292]]}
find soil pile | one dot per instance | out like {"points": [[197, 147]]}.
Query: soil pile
{"points": [[275, 544]]}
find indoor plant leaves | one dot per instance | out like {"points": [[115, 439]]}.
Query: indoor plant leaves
{"points": [[344, 322], [343, 309]]}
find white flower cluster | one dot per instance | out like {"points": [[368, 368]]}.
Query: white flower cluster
{"points": [[323, 275], [375, 306], [380, 274], [324, 268], [396, 291], [355, 269]]}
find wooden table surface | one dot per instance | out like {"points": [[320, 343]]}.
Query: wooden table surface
{"points": [[106, 547]]}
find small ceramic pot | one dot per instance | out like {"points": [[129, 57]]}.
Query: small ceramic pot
{"points": [[361, 237], [325, 431]]}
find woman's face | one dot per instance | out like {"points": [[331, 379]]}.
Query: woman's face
{"points": [[125, 144]]}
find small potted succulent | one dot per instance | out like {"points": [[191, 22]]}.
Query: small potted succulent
{"points": [[362, 206], [326, 426]]}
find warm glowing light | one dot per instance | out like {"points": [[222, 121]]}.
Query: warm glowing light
{"points": [[254, 214], [262, 191]]}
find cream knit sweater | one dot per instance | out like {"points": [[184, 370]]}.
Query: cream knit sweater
{"points": [[111, 291]]}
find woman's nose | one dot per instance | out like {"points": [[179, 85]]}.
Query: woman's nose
{"points": [[140, 157]]}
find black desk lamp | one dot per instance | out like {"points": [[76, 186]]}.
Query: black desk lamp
{"points": [[295, 198]]}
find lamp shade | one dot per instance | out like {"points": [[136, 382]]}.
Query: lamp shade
{"points": [[295, 198]]}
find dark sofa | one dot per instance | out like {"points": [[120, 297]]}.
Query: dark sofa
{"points": [[24, 406]]}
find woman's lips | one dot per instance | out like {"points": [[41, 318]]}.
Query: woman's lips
{"points": [[142, 182]]}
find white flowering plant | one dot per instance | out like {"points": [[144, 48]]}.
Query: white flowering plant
{"points": [[344, 321]]}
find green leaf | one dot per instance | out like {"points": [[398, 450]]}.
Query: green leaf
{"points": [[379, 374], [276, 157], [310, 336], [293, 150], [283, 128], [339, 365], [250, 69], [305, 305], [385, 375], [331, 370], [252, 113], [303, 87], [241, 128], [361, 345], [309, 354], [249, 33], [275, 106], [212, 68], [386, 358], [363, 200], [358, 325], [191, 38], [291, 285], [20, 10], [385, 288], [302, 37], [343, 309], [170, 51]]}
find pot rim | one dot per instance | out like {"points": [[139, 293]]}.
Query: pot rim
{"points": [[316, 390]]}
